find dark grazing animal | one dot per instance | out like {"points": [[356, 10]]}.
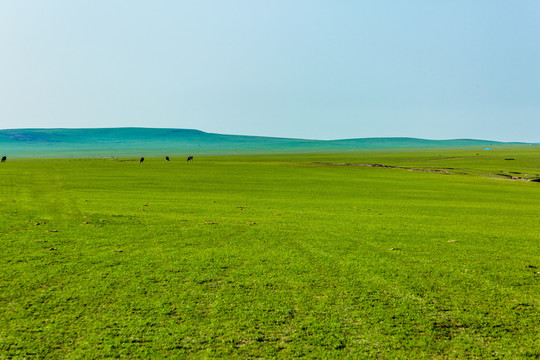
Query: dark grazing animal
{"points": [[141, 161], [3, 159], [166, 158], [189, 158]]}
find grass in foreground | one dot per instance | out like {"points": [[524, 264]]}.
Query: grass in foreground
{"points": [[271, 256]]}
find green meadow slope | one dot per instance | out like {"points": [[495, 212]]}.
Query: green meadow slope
{"points": [[118, 142], [280, 256]]}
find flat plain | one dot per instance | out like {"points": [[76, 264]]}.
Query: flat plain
{"points": [[279, 256]]}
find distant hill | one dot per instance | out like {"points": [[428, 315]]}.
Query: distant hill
{"points": [[128, 142]]}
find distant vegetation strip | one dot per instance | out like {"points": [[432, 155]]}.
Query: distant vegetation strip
{"points": [[121, 142]]}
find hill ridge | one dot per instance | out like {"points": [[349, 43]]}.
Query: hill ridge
{"points": [[135, 141]]}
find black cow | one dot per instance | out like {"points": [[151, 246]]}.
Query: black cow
{"points": [[4, 159], [189, 158], [141, 161], [166, 158]]}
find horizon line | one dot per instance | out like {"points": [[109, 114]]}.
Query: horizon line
{"points": [[266, 136]]}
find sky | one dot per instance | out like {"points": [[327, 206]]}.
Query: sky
{"points": [[313, 69]]}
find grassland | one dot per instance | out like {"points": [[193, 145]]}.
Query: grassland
{"points": [[272, 256]]}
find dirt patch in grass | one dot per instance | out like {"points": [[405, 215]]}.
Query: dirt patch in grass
{"points": [[426, 169], [438, 170]]}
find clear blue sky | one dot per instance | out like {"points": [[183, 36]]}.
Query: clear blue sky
{"points": [[290, 68]]}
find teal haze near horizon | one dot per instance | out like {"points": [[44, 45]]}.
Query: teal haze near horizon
{"points": [[160, 142], [295, 69]]}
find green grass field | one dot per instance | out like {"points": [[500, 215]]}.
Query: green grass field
{"points": [[272, 256]]}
